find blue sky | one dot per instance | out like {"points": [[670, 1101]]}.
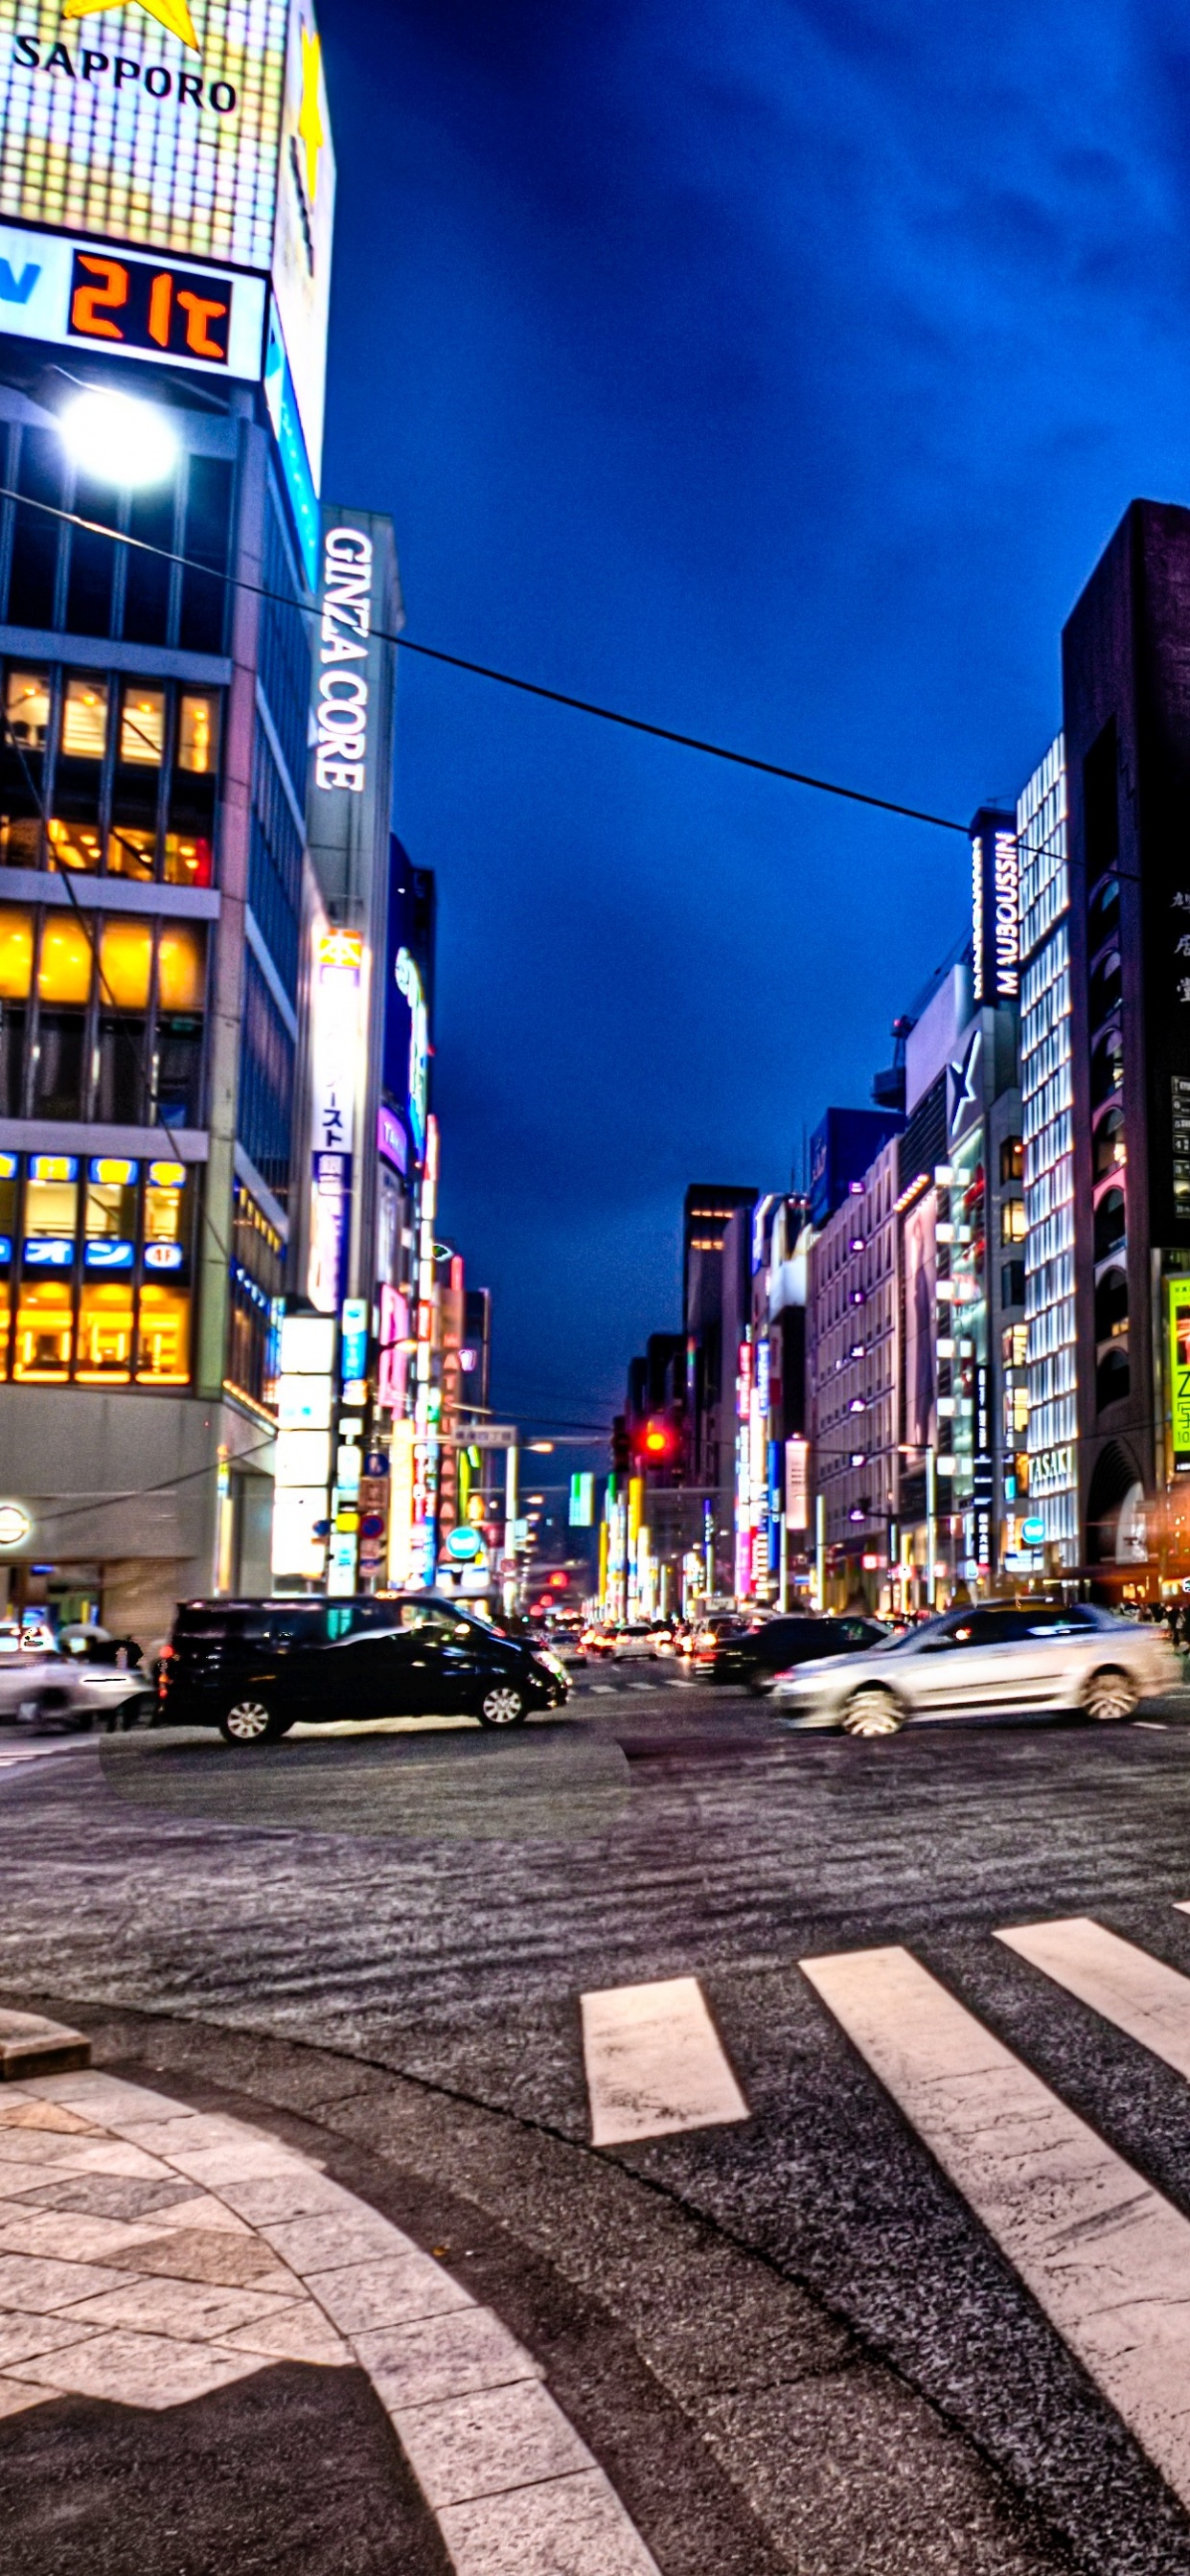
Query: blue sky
{"points": [[777, 373]]}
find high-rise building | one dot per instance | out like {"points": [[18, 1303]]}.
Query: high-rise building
{"points": [[1048, 1133], [1126, 724], [167, 220]]}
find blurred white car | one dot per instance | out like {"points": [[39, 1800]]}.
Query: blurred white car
{"points": [[639, 1639], [1003, 1655], [43, 1689]]}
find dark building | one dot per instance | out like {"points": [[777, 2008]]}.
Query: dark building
{"points": [[844, 1147], [1126, 700]]}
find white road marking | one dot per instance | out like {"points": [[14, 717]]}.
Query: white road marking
{"points": [[1104, 2255], [1138, 1994], [655, 2063]]}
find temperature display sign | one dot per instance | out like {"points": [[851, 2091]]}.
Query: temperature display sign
{"points": [[138, 306]]}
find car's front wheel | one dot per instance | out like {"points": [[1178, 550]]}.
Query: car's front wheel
{"points": [[502, 1705], [872, 1711], [249, 1720], [1110, 1695], [52, 1707]]}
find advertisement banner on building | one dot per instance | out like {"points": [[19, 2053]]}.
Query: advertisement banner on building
{"points": [[995, 870], [166, 312], [920, 1274], [1177, 1295], [334, 1046], [797, 1484], [158, 123], [305, 225]]}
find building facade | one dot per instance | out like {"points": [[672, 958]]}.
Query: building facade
{"points": [[1047, 1117], [854, 1381]]}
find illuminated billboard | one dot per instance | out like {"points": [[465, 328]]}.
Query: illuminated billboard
{"points": [[305, 217], [334, 1051], [194, 127], [150, 122], [1177, 1292], [80, 294]]}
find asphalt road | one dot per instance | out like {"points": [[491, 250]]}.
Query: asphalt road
{"points": [[789, 2339]]}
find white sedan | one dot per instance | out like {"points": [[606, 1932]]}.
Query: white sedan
{"points": [[1010, 1656], [47, 1690]]}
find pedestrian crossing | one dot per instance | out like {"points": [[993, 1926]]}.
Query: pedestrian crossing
{"points": [[1105, 2255]]}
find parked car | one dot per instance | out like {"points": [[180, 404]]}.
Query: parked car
{"points": [[774, 1646], [51, 1693], [1008, 1656], [253, 1668]]}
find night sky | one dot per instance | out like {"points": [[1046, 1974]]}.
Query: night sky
{"points": [[777, 373]]}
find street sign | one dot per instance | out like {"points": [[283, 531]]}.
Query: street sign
{"points": [[1033, 1533], [481, 1435]]}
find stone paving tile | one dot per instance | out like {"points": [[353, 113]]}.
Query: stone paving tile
{"points": [[35, 2284], [76, 2155], [17, 2147], [363, 2296], [67, 2235], [260, 2198], [197, 2311], [15, 2396], [141, 2369], [106, 2098], [197, 2130], [20, 2335], [200, 2209], [215, 2166], [439, 2357], [206, 2254], [332, 2238], [299, 2333], [106, 2196], [480, 2445], [52, 2117], [573, 2526]]}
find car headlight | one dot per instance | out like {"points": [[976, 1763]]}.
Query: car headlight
{"points": [[553, 1664]]}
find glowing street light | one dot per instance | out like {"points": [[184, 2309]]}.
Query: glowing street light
{"points": [[119, 440]]}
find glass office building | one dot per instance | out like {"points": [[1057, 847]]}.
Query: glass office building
{"points": [[1047, 1108]]}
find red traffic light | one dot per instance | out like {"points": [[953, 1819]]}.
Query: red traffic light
{"points": [[657, 1441]]}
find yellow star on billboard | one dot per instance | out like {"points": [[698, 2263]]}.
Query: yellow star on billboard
{"points": [[173, 15], [309, 123]]}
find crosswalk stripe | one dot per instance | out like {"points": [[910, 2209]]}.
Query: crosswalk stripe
{"points": [[655, 2063], [1136, 1993], [1105, 2256]]}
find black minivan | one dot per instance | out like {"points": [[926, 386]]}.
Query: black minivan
{"points": [[253, 1668]]}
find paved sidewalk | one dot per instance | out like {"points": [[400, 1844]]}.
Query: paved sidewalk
{"points": [[152, 2256]]}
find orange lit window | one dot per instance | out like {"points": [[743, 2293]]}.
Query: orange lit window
{"points": [[130, 853], [64, 971], [182, 967], [164, 1340], [163, 1215], [84, 719], [73, 845], [27, 708], [43, 1333], [105, 1332], [16, 953], [51, 1206], [142, 725], [187, 859], [198, 733], [125, 963]]}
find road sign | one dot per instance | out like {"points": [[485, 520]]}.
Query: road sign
{"points": [[1033, 1533]]}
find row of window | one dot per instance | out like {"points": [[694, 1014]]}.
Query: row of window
{"points": [[95, 1270], [101, 1016], [266, 1082], [55, 575], [125, 771], [257, 1281]]}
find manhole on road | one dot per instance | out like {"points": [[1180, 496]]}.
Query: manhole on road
{"points": [[552, 1784]]}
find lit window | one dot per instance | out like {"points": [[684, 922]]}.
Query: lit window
{"points": [[182, 967], [164, 1341], [105, 1330], [64, 970], [44, 1331], [16, 953], [125, 963], [142, 726], [1012, 1221], [130, 853], [73, 845], [27, 708], [187, 859], [84, 719], [198, 733]]}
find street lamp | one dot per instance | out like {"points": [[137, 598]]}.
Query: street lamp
{"points": [[119, 440]]}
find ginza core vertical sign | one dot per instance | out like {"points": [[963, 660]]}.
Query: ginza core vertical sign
{"points": [[341, 709]]}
